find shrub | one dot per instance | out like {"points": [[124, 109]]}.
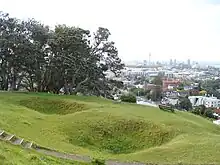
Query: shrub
{"points": [[196, 111], [203, 111], [97, 161], [166, 108], [128, 98]]}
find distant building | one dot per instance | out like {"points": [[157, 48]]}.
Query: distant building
{"points": [[169, 83], [188, 62], [174, 62], [209, 102], [171, 62], [169, 75], [152, 87], [187, 88]]}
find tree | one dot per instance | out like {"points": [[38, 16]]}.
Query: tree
{"points": [[71, 54], [205, 112], [184, 103], [155, 95], [157, 81], [139, 91], [211, 87], [180, 86], [202, 109], [128, 98], [34, 57]]}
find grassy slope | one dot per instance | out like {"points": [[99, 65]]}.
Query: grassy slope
{"points": [[196, 139], [15, 155]]}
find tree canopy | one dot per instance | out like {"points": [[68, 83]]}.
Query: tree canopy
{"points": [[37, 58], [184, 103], [212, 87], [157, 81]]}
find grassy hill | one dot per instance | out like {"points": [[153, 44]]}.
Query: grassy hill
{"points": [[15, 155], [98, 127]]}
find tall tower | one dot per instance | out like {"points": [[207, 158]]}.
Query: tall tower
{"points": [[149, 58], [171, 62], [174, 62], [188, 62]]}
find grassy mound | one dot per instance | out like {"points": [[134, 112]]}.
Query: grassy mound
{"points": [[126, 132], [52, 106], [116, 135]]}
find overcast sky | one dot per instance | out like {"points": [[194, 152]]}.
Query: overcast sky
{"points": [[178, 29]]}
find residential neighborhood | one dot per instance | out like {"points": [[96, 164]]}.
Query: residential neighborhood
{"points": [[171, 83]]}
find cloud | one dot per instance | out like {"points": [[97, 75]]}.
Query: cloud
{"points": [[178, 29], [214, 2]]}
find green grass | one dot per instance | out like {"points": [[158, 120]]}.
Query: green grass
{"points": [[100, 128], [15, 155], [52, 106]]}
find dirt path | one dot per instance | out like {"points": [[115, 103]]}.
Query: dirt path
{"points": [[4, 136], [64, 155], [79, 157]]}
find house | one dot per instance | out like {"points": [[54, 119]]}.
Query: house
{"points": [[152, 87], [217, 111], [216, 122], [187, 88], [209, 102], [168, 83]]}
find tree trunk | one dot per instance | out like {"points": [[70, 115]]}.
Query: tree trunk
{"points": [[65, 87], [78, 87], [13, 79]]}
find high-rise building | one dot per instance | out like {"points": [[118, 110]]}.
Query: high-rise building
{"points": [[188, 62], [171, 62], [174, 62]]}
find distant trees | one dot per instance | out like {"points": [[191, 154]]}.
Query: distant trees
{"points": [[211, 87], [180, 86], [203, 111], [157, 81], [139, 91], [156, 92], [184, 103], [34, 57], [128, 98]]}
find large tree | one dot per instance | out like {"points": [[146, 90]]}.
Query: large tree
{"points": [[34, 57]]}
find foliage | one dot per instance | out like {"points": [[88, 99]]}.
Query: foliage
{"points": [[97, 161], [139, 91], [157, 81], [203, 111], [184, 103], [128, 98], [180, 86], [168, 108], [203, 92], [37, 58], [209, 113], [211, 87], [140, 80], [155, 94]]}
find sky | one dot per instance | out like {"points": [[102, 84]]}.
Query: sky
{"points": [[168, 29]]}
